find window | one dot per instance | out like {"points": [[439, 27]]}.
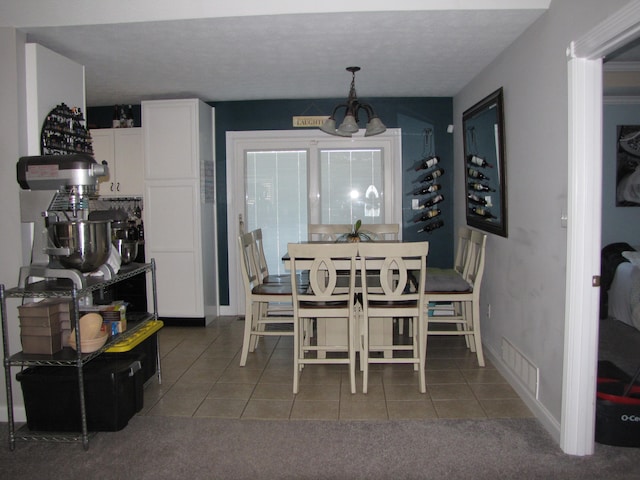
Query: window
{"points": [[280, 181]]}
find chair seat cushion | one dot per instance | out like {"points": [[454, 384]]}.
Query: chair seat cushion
{"points": [[274, 289], [446, 281], [285, 278], [392, 304], [329, 304]]}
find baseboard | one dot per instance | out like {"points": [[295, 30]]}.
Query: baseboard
{"points": [[547, 420], [184, 321]]}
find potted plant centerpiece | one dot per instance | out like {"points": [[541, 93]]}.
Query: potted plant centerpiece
{"points": [[355, 235]]}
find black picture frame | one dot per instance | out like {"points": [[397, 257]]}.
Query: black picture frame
{"points": [[484, 157]]}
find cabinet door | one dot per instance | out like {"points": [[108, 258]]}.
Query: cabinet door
{"points": [[129, 160], [170, 139], [104, 149], [172, 238]]}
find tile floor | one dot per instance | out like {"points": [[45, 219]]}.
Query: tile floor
{"points": [[201, 377]]}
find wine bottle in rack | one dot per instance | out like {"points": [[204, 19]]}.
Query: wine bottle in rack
{"points": [[430, 227], [438, 172], [479, 187], [428, 215], [116, 117], [473, 198], [428, 162], [430, 189], [479, 161], [482, 212], [130, 117], [473, 173], [432, 201]]}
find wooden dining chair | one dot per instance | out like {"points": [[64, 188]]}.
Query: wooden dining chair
{"points": [[453, 279], [328, 232], [324, 298], [382, 231], [463, 294], [263, 267], [394, 266], [258, 296]]}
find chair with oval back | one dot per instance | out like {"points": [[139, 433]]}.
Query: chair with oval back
{"points": [[393, 266], [323, 299]]}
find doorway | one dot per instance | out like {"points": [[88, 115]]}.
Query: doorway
{"points": [[584, 212]]}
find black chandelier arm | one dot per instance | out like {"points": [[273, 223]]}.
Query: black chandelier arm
{"points": [[369, 109], [335, 110]]}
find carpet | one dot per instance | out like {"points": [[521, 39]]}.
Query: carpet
{"points": [[205, 448]]}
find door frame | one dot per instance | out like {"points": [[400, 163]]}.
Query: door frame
{"points": [[584, 210], [392, 138]]}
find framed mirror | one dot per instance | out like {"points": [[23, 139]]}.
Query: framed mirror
{"points": [[485, 179]]}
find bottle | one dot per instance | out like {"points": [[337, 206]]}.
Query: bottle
{"points": [[479, 187], [428, 214], [476, 199], [116, 117], [479, 161], [432, 201], [433, 175], [430, 189], [429, 227], [476, 174], [481, 212], [130, 117], [428, 162]]}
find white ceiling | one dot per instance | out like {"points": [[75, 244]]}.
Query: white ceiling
{"points": [[418, 49]]}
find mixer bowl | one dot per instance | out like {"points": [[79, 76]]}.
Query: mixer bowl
{"points": [[128, 250], [88, 241]]}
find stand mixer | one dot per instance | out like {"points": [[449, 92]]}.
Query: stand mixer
{"points": [[56, 190]]}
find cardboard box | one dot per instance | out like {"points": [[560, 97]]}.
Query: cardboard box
{"points": [[41, 344], [114, 316]]}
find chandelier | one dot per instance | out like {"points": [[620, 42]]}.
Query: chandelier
{"points": [[349, 125]]}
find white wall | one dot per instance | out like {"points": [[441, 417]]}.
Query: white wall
{"points": [[51, 80], [33, 81], [12, 146], [525, 273]]}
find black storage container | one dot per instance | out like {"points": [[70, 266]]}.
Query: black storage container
{"points": [[617, 415], [113, 387]]}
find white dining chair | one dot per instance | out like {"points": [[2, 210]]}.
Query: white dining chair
{"points": [[263, 266], [395, 267], [463, 294], [452, 279], [382, 231], [329, 232], [257, 298], [323, 299]]}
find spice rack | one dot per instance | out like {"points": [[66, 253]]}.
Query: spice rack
{"points": [[138, 324]]}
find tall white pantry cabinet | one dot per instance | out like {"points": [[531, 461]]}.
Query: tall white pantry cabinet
{"points": [[179, 207]]}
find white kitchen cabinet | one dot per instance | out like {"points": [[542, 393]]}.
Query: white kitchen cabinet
{"points": [[179, 207], [122, 148]]}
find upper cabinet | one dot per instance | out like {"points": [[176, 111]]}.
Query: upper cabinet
{"points": [[122, 148], [181, 121]]}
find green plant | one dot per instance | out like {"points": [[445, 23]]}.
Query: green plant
{"points": [[355, 235]]}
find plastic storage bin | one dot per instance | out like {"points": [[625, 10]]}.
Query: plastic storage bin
{"points": [[617, 415], [113, 394], [144, 341]]}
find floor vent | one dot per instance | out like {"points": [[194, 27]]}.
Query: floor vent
{"points": [[523, 368]]}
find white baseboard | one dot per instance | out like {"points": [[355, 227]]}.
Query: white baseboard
{"points": [[549, 422]]}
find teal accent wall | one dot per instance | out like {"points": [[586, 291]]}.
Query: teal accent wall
{"points": [[412, 115]]}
